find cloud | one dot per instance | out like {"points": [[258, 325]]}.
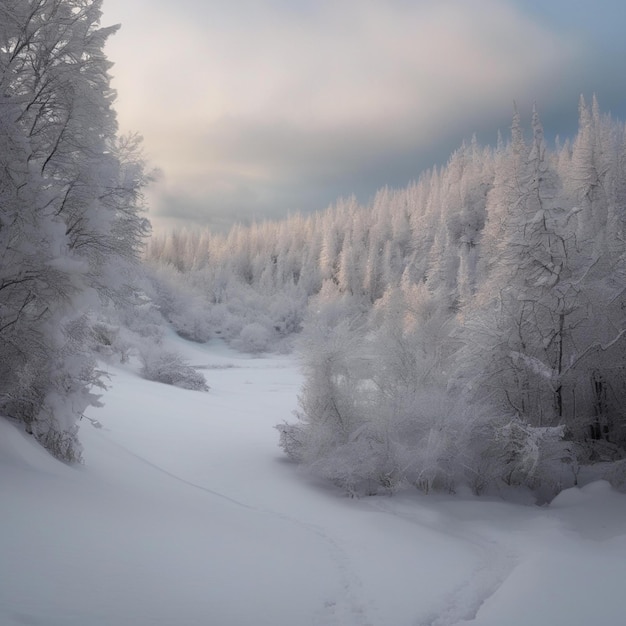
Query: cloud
{"points": [[245, 105]]}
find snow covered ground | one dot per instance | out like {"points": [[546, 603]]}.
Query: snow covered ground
{"points": [[186, 513]]}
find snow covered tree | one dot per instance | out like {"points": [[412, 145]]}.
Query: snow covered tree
{"points": [[70, 210], [524, 295], [544, 337], [595, 182]]}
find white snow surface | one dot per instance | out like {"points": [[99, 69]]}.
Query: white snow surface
{"points": [[186, 513]]}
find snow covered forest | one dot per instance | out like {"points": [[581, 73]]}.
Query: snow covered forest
{"points": [[463, 337], [468, 329]]}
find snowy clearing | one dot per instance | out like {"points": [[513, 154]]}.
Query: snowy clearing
{"points": [[186, 513]]}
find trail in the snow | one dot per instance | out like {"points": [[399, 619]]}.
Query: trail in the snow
{"points": [[349, 605], [463, 603]]}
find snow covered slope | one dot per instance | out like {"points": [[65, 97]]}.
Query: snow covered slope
{"points": [[185, 513]]}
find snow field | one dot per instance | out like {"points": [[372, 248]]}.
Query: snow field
{"points": [[185, 513]]}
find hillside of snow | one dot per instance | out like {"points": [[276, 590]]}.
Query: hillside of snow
{"points": [[186, 513]]}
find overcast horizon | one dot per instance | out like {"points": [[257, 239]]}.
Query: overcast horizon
{"points": [[252, 110]]}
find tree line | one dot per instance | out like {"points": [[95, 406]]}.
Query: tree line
{"points": [[468, 329]]}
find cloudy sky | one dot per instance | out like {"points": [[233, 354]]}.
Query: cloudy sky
{"points": [[254, 108]]}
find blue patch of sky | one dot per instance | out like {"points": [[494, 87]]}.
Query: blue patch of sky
{"points": [[599, 27]]}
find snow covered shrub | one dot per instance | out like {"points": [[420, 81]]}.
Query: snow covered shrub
{"points": [[330, 308], [366, 441], [192, 325], [110, 341], [253, 338], [536, 457], [375, 411], [360, 466], [615, 474], [168, 367], [292, 440], [104, 337], [117, 332], [337, 435], [52, 388], [33, 405], [180, 303], [431, 439], [254, 321], [144, 319], [287, 311], [429, 431]]}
